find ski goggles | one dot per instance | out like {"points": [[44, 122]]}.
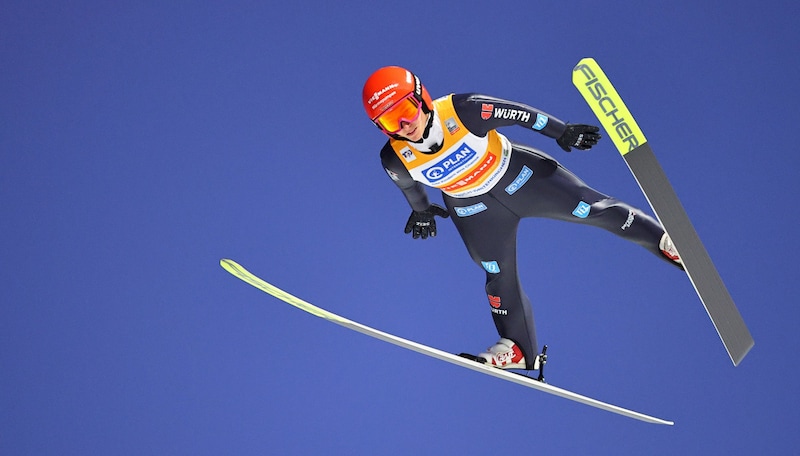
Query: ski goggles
{"points": [[406, 110]]}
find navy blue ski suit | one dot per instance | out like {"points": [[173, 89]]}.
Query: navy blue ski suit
{"points": [[486, 194]]}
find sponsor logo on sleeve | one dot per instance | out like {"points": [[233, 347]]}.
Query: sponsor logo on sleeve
{"points": [[541, 121], [486, 111], [518, 115], [392, 174]]}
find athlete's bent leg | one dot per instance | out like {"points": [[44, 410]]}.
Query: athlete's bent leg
{"points": [[559, 194]]}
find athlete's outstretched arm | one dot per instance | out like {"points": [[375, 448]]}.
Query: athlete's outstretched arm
{"points": [[482, 113]]}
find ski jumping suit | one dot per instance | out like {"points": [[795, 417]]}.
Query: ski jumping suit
{"points": [[489, 184]]}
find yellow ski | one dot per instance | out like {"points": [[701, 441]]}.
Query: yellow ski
{"points": [[623, 130]]}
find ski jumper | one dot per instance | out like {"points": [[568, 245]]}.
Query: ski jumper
{"points": [[489, 184]]}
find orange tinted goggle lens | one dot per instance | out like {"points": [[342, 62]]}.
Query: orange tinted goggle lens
{"points": [[406, 110]]}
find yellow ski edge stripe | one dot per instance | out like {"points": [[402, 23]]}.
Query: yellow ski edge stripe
{"points": [[240, 272], [607, 105]]}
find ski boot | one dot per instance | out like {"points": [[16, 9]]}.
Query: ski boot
{"points": [[668, 249], [505, 354]]}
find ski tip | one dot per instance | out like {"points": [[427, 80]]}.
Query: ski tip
{"points": [[230, 265], [586, 61]]}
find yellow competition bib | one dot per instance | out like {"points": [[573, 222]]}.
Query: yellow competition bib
{"points": [[466, 165]]}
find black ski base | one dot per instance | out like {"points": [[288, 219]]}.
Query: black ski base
{"points": [[542, 361]]}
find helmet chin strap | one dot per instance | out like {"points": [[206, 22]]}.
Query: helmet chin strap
{"points": [[438, 141], [427, 127]]}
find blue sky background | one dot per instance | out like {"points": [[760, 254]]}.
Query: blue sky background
{"points": [[140, 142]]}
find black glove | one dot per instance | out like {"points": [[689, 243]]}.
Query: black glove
{"points": [[581, 137], [422, 223]]}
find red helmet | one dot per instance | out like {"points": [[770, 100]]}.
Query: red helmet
{"points": [[389, 85]]}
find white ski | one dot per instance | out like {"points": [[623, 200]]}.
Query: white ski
{"points": [[245, 275]]}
